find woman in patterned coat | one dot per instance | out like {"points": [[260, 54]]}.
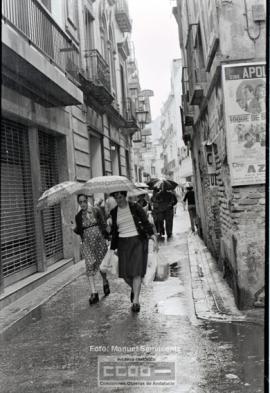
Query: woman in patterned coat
{"points": [[91, 227]]}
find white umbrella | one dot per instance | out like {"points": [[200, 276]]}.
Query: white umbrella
{"points": [[141, 185], [107, 184], [136, 192], [57, 193]]}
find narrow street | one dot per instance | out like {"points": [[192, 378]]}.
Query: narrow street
{"points": [[57, 352], [158, 102]]}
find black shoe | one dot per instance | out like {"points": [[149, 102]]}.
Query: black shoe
{"points": [[106, 288], [135, 307], [169, 236], [93, 298], [131, 296]]}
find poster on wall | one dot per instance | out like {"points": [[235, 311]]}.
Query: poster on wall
{"points": [[211, 166], [244, 89]]}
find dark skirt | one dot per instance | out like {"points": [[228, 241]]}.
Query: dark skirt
{"points": [[132, 254]]}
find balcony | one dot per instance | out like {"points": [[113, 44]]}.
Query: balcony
{"points": [[137, 137], [146, 131], [169, 166], [197, 78], [188, 110], [122, 16], [196, 74], [123, 49], [129, 109], [188, 114], [39, 60], [95, 81], [114, 114], [187, 129]]}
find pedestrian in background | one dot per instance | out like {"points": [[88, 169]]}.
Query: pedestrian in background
{"points": [[142, 200], [159, 224], [101, 206], [176, 199], [181, 196], [166, 200], [131, 231], [91, 227], [190, 198], [110, 203]]}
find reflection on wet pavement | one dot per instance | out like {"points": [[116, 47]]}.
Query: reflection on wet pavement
{"points": [[57, 352]]}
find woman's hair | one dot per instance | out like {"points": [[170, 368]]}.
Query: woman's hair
{"points": [[121, 192], [79, 195]]}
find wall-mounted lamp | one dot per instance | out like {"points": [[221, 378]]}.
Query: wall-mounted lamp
{"points": [[141, 118]]}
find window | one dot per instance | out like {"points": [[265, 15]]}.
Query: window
{"points": [[89, 39], [111, 59], [123, 87], [104, 38], [198, 46], [72, 16]]}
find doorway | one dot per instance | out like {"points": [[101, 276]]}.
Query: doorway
{"points": [[115, 159], [96, 155]]}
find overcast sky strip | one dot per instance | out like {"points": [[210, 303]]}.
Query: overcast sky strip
{"points": [[155, 37]]}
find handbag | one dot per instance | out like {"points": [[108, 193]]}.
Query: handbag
{"points": [[162, 270], [109, 263]]}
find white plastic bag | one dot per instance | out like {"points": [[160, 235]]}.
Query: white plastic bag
{"points": [[151, 268], [151, 264], [110, 263], [162, 270]]}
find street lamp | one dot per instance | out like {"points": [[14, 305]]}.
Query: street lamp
{"points": [[141, 118]]}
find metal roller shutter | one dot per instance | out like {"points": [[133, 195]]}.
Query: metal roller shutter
{"points": [[18, 242], [51, 217]]}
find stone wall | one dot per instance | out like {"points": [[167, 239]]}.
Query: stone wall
{"points": [[232, 219]]}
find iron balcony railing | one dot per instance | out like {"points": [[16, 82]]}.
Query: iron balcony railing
{"points": [[33, 21], [97, 70]]}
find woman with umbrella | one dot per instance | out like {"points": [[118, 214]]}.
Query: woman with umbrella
{"points": [[91, 226], [130, 233]]}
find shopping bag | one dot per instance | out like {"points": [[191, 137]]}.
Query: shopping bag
{"points": [[110, 263], [162, 270], [151, 268]]}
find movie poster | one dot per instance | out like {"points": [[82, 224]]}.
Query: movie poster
{"points": [[244, 89]]}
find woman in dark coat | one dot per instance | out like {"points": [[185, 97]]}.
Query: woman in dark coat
{"points": [[91, 227], [131, 231]]}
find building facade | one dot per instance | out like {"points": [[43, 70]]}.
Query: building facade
{"points": [[176, 156], [223, 111], [67, 115]]}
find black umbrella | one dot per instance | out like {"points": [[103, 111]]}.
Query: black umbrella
{"points": [[165, 184], [152, 182]]}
